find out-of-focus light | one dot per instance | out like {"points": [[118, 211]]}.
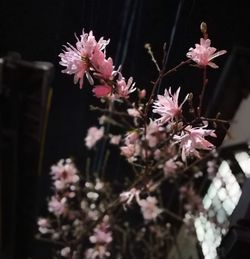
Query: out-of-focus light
{"points": [[244, 161]]}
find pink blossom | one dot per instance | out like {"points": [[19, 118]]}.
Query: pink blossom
{"points": [[131, 149], [103, 68], [101, 91], [131, 137], [44, 225], [171, 166], [115, 139], [93, 214], [57, 206], [94, 134], [128, 196], [128, 151], [64, 173], [167, 106], [77, 60], [65, 251], [133, 112], [192, 139], [153, 133], [98, 252], [202, 54], [142, 94], [102, 235], [125, 89], [149, 209]]}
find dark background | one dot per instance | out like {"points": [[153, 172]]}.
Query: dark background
{"points": [[38, 29]]}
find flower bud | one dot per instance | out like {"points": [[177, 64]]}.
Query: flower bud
{"points": [[203, 28]]}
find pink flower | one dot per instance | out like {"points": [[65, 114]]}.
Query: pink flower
{"points": [[125, 89], [64, 173], [142, 94], [128, 151], [149, 209], [98, 252], [128, 196], [78, 59], [102, 235], [57, 206], [104, 68], [133, 112], [44, 225], [115, 139], [192, 139], [167, 106], [171, 166], [65, 251], [131, 137], [101, 91], [94, 134], [153, 133], [202, 54]]}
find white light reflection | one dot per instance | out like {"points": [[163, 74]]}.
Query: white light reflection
{"points": [[244, 161], [221, 199]]}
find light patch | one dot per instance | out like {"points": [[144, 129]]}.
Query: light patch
{"points": [[222, 197], [244, 161]]}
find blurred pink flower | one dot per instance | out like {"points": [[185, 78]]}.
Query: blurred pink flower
{"points": [[57, 206], [133, 112], [149, 209], [192, 139], [154, 133], [44, 225], [171, 166], [102, 235], [167, 106], [131, 137], [64, 173], [128, 151], [65, 251], [142, 94], [115, 139], [94, 134], [202, 54], [98, 252], [78, 59]]}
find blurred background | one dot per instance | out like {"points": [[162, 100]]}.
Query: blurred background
{"points": [[44, 117]]}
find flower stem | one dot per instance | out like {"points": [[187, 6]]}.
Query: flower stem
{"points": [[205, 80]]}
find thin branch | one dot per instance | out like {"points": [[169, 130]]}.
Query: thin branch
{"points": [[174, 69], [148, 48], [205, 80]]}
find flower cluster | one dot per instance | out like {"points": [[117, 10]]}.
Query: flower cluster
{"points": [[72, 208], [90, 216], [88, 58]]}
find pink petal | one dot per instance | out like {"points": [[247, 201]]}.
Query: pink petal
{"points": [[217, 54], [102, 90], [212, 64]]}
